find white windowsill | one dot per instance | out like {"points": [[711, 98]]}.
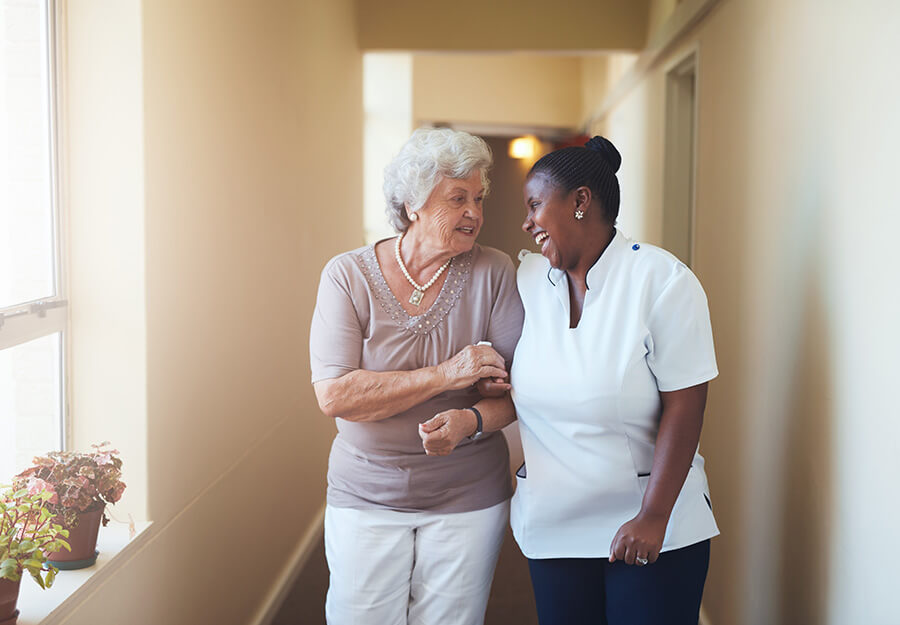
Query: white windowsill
{"points": [[45, 607]]}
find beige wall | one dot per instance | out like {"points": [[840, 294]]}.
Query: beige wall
{"points": [[103, 199], [252, 178], [795, 243], [504, 89], [469, 25], [658, 12]]}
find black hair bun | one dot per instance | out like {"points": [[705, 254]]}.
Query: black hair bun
{"points": [[606, 149]]}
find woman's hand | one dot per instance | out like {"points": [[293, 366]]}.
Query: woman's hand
{"points": [[641, 537], [471, 364], [493, 387], [443, 432]]}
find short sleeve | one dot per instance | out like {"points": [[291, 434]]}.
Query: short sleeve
{"points": [[335, 336], [507, 314], [681, 353]]}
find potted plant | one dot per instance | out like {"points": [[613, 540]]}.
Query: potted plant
{"points": [[84, 483], [27, 534]]}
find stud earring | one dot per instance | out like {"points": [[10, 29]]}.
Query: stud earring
{"points": [[579, 214], [413, 216]]}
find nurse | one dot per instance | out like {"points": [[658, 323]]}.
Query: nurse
{"points": [[609, 381]]}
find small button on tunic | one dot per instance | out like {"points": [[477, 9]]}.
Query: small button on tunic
{"points": [[588, 402]]}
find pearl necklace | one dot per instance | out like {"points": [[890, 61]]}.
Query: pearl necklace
{"points": [[418, 293]]}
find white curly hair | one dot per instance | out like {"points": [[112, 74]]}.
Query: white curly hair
{"points": [[428, 155]]}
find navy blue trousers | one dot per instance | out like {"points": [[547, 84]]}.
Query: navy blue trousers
{"points": [[591, 591]]}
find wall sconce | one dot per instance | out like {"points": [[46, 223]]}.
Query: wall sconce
{"points": [[524, 147]]}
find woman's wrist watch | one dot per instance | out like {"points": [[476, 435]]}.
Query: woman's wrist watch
{"points": [[479, 425]]}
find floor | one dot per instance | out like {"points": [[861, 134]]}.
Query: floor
{"points": [[511, 601]]}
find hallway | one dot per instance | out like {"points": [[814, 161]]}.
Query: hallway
{"points": [[214, 155], [511, 601]]}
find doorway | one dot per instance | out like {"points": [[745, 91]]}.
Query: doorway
{"points": [[680, 140]]}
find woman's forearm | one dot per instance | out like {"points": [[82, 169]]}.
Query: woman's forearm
{"points": [[375, 395], [676, 444], [363, 395], [445, 430]]}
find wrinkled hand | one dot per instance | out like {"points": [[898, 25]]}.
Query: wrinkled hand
{"points": [[642, 537], [442, 433], [471, 364], [493, 387]]}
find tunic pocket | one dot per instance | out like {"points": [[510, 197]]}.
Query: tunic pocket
{"points": [[643, 480]]}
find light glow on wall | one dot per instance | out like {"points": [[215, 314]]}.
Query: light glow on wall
{"points": [[524, 147]]}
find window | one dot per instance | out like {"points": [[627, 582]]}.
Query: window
{"points": [[33, 306]]}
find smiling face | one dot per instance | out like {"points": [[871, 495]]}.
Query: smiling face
{"points": [[550, 220], [452, 216]]}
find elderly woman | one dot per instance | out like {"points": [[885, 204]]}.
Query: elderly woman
{"points": [[402, 332], [609, 382]]}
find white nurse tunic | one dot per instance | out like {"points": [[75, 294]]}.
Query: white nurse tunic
{"points": [[588, 403]]}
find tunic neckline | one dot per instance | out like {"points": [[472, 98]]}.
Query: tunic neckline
{"points": [[451, 290]]}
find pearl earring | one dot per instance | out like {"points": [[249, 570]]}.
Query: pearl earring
{"points": [[413, 216], [579, 214]]}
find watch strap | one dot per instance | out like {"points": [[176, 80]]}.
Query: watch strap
{"points": [[479, 425]]}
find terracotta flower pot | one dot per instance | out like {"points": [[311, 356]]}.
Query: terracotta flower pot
{"points": [[9, 596], [83, 541]]}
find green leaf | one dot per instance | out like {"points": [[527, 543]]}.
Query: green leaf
{"points": [[37, 577], [12, 575]]}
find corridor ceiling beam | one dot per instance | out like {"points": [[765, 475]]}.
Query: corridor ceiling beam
{"points": [[502, 25]]}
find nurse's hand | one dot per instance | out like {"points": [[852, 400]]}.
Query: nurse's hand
{"points": [[641, 537], [493, 387], [442, 433]]}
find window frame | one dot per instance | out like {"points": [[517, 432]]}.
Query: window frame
{"points": [[27, 321]]}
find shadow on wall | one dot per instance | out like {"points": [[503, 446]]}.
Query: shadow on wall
{"points": [[808, 489], [722, 261]]}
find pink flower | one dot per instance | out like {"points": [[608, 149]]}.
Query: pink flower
{"points": [[36, 486]]}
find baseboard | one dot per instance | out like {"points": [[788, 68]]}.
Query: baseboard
{"points": [[291, 570], [704, 617]]}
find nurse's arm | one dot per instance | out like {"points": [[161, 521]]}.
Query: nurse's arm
{"points": [[493, 387], [676, 444]]}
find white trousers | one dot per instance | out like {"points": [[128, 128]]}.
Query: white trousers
{"points": [[411, 568]]}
